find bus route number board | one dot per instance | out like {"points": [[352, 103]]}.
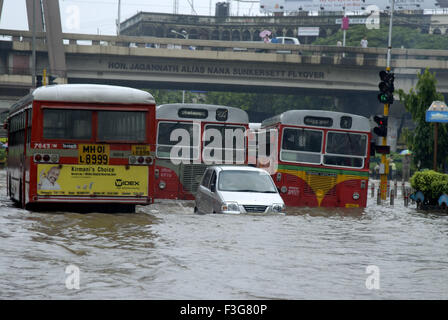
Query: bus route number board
{"points": [[93, 154]]}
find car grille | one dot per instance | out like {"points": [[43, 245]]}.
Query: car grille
{"points": [[254, 209]]}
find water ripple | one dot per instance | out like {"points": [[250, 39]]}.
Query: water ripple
{"points": [[165, 251]]}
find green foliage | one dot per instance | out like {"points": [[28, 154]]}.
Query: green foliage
{"points": [[433, 184], [439, 187], [269, 103], [401, 36], [264, 103], [417, 102], [2, 155]]}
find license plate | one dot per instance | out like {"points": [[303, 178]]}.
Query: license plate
{"points": [[93, 154], [141, 150]]}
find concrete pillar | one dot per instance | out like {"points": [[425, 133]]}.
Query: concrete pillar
{"points": [[53, 28]]}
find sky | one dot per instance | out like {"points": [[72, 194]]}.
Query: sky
{"points": [[99, 16]]}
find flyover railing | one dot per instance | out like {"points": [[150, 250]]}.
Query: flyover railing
{"points": [[314, 54]]}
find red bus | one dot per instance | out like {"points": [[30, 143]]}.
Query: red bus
{"points": [[180, 179], [322, 159], [85, 144]]}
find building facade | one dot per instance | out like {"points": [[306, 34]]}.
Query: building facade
{"points": [[247, 28]]}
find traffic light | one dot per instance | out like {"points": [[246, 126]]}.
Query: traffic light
{"points": [[38, 81], [381, 129], [51, 80], [382, 149], [386, 87]]}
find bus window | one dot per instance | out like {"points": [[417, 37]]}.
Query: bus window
{"points": [[67, 124], [164, 143], [346, 149], [121, 126], [301, 145], [235, 147]]}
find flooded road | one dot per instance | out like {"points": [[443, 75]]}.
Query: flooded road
{"points": [[165, 251]]}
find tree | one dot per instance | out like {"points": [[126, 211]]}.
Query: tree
{"points": [[406, 37], [421, 142]]}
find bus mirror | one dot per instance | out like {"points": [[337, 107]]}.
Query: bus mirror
{"points": [[5, 125]]}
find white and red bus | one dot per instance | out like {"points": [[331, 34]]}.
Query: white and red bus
{"points": [[85, 144], [322, 159], [176, 180]]}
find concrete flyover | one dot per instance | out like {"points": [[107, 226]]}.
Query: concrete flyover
{"points": [[149, 62]]}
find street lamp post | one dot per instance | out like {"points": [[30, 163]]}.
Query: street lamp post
{"points": [[33, 58], [183, 34], [119, 18]]}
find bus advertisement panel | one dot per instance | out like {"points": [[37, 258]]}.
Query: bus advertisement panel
{"points": [[85, 180]]}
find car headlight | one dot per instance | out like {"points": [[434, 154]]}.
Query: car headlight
{"points": [[230, 207], [278, 207]]}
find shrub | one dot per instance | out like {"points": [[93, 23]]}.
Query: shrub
{"points": [[433, 184]]}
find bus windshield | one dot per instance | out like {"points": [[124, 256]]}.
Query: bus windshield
{"points": [[301, 145], [232, 143], [165, 144], [346, 149], [352, 144]]}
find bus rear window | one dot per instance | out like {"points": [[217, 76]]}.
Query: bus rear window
{"points": [[121, 126], [67, 124]]}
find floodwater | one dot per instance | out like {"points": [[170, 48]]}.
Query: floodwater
{"points": [[165, 251]]}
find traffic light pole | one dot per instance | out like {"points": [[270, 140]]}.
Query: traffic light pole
{"points": [[384, 162]]}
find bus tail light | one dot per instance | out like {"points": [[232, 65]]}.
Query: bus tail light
{"points": [[149, 160], [141, 160], [363, 184], [46, 158]]}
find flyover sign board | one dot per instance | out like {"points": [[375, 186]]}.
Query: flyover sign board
{"points": [[349, 5]]}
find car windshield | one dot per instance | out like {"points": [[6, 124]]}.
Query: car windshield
{"points": [[246, 181]]}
